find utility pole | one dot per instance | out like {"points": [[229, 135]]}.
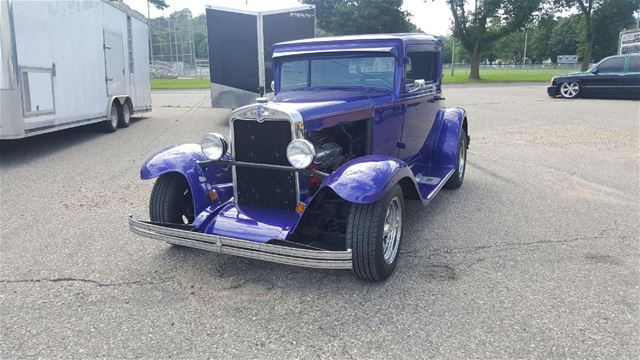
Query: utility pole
{"points": [[524, 56], [453, 54]]}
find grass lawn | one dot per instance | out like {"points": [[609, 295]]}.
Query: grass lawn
{"points": [[180, 84], [461, 76], [502, 75]]}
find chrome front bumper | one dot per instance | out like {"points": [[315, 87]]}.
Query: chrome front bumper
{"points": [[321, 259]]}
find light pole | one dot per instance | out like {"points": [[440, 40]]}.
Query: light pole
{"points": [[453, 54], [524, 56]]}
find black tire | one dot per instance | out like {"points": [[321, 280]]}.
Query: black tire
{"points": [[455, 181], [365, 233], [171, 201], [124, 115], [111, 124]]}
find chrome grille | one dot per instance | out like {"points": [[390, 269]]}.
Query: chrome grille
{"points": [[263, 143]]}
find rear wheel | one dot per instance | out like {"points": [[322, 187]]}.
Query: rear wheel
{"points": [[111, 124], [171, 200], [124, 116], [570, 90], [374, 232]]}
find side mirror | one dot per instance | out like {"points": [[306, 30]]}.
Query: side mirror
{"points": [[407, 65], [594, 71]]}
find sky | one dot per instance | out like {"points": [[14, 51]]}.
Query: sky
{"points": [[433, 17]]}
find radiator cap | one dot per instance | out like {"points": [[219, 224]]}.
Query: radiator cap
{"points": [[262, 100]]}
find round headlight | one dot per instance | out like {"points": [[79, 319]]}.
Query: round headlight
{"points": [[300, 153], [214, 146]]}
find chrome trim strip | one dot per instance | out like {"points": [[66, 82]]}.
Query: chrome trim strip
{"points": [[439, 187], [224, 245], [261, 68], [207, 163]]}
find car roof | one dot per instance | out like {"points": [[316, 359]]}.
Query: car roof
{"points": [[404, 37]]}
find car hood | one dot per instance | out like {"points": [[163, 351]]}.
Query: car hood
{"points": [[326, 107], [575, 74]]}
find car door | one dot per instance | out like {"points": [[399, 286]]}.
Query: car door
{"points": [[420, 103], [632, 77], [608, 79]]}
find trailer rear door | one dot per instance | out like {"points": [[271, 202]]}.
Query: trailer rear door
{"points": [[114, 63]]}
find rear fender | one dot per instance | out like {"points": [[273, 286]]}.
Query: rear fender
{"points": [[369, 178], [445, 153], [182, 159]]}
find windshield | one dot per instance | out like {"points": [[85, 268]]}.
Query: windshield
{"points": [[365, 71]]}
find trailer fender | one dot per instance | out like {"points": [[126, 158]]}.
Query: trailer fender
{"points": [[369, 178], [445, 153], [183, 159]]}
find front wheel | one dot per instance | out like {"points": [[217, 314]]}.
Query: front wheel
{"points": [[569, 90], [374, 232], [171, 201]]}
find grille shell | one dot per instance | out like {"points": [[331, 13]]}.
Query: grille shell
{"points": [[263, 143]]}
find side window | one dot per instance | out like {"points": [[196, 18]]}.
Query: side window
{"points": [[634, 64], [423, 66], [613, 65]]}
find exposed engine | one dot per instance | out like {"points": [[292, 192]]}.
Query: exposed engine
{"points": [[339, 144]]}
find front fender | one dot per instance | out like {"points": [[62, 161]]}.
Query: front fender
{"points": [[369, 178], [446, 150], [183, 159]]}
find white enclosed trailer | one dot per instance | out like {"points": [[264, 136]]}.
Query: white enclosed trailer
{"points": [[70, 63]]}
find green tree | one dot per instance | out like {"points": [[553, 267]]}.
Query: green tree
{"points": [[601, 21], [488, 21], [539, 48], [200, 36], [510, 48], [612, 17], [461, 54], [160, 4], [565, 37], [346, 17]]}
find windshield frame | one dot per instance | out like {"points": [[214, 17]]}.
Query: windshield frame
{"points": [[335, 55]]}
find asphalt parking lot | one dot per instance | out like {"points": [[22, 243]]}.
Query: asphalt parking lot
{"points": [[536, 256]]}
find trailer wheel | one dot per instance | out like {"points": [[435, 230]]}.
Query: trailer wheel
{"points": [[171, 201], [455, 181], [124, 115], [374, 232], [111, 124]]}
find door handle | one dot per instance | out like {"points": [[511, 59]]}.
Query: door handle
{"points": [[109, 79]]}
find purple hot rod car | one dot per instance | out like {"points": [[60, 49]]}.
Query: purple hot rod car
{"points": [[318, 176]]}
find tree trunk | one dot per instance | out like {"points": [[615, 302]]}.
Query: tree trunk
{"points": [[588, 45], [474, 59]]}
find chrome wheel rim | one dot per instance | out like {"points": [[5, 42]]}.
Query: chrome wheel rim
{"points": [[462, 159], [114, 116], [392, 230], [569, 89]]}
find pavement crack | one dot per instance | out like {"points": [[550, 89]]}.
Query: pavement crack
{"points": [[475, 249], [78, 280]]}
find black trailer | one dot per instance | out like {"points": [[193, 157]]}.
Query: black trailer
{"points": [[240, 49]]}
